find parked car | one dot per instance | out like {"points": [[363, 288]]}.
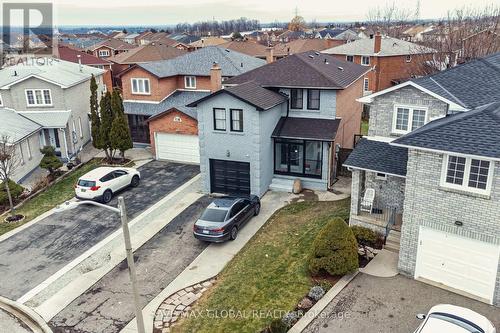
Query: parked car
{"points": [[101, 183], [453, 319], [224, 217]]}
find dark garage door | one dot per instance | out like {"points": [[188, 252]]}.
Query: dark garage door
{"points": [[229, 177]]}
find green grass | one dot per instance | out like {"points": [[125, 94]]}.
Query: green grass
{"points": [[48, 199], [268, 274], [364, 127]]}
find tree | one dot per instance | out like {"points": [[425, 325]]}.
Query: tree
{"points": [[237, 36], [9, 162], [94, 114], [125, 31], [106, 121], [120, 138], [297, 24], [49, 160]]}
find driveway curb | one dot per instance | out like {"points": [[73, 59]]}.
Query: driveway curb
{"points": [[322, 303], [28, 316]]}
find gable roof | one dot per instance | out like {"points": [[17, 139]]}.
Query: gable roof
{"points": [[200, 62], [208, 41], [475, 132], [246, 47], [71, 54], [147, 53], [302, 45], [251, 93], [15, 126], [309, 69], [389, 47], [112, 43]]}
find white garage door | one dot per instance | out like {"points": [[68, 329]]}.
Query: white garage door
{"points": [[177, 147], [458, 262]]}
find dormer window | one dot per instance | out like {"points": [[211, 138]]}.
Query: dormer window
{"points": [[103, 53], [38, 97]]}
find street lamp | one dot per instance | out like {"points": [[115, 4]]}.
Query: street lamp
{"points": [[128, 248]]}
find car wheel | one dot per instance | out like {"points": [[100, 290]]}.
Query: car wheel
{"points": [[257, 209], [107, 196], [135, 181], [234, 233]]}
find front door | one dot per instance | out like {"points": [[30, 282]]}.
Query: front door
{"points": [[139, 128]]}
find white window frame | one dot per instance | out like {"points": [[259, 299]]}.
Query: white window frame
{"points": [[103, 53], [80, 127], [465, 184], [187, 80], [138, 80], [363, 63], [410, 117], [1, 101], [347, 58], [366, 84], [42, 92], [408, 58]]}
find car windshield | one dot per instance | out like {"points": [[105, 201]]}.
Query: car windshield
{"points": [[214, 215], [86, 183]]}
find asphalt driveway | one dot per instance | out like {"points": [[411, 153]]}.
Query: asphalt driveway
{"points": [[34, 254], [371, 304], [107, 306]]}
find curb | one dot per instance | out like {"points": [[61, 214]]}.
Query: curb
{"points": [[28, 316], [322, 303]]}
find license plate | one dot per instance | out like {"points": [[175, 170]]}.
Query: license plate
{"points": [[206, 231], [83, 190]]}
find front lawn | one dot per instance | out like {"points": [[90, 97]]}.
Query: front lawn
{"points": [[268, 274], [51, 197]]}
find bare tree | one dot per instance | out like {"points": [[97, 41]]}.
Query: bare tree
{"points": [[389, 19], [9, 162]]}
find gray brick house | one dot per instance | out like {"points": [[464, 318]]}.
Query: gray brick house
{"points": [[432, 157]]}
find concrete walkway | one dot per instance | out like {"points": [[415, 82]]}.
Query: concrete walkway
{"points": [[18, 318], [385, 264]]}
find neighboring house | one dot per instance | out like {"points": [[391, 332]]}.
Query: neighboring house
{"points": [[433, 167], [341, 35], [392, 60], [156, 88], [279, 122], [304, 45], [414, 33], [54, 98], [207, 41], [252, 49], [109, 47], [130, 38]]}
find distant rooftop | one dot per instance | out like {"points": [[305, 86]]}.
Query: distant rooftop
{"points": [[389, 47]]}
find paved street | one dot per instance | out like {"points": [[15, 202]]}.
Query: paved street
{"points": [[371, 305], [34, 254], [107, 306]]}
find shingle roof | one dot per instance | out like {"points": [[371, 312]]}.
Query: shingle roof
{"points": [[48, 119], [113, 43], [251, 93], [179, 99], [200, 62], [147, 53], [302, 45], [70, 54], [378, 156], [475, 132], [309, 69], [15, 126], [389, 47], [249, 48], [471, 85], [306, 128]]}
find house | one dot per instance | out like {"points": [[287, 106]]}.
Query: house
{"points": [[341, 35], [129, 38], [157, 88], [247, 47], [279, 122], [415, 33], [109, 47], [41, 105], [207, 41], [303, 45], [431, 162], [391, 59]]}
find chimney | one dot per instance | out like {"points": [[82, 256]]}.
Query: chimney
{"points": [[269, 55], [79, 61], [215, 77], [378, 42]]}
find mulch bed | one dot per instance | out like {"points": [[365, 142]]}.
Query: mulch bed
{"points": [[14, 218]]}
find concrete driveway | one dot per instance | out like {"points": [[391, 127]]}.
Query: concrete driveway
{"points": [[371, 304], [107, 306], [34, 254]]}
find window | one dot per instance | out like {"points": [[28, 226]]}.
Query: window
{"points": [[313, 99], [365, 60], [298, 157], [220, 119], [366, 84], [1, 102], [408, 58], [407, 119], [190, 82], [140, 87], [236, 120], [297, 96], [104, 53], [80, 127], [38, 97], [28, 148], [466, 173], [381, 176], [349, 58]]}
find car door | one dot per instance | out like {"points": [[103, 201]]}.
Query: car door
{"points": [[247, 210], [121, 178], [107, 182], [238, 214]]}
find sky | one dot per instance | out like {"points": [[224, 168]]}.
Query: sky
{"points": [[167, 12]]}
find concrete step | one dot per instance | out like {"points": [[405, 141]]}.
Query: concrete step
{"points": [[393, 238], [392, 249], [281, 185]]}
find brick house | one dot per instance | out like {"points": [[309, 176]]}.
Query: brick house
{"points": [[393, 60], [109, 47], [155, 95], [431, 159]]}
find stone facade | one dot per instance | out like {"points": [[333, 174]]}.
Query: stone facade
{"points": [[427, 204]]}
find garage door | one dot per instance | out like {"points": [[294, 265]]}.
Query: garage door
{"points": [[229, 177], [177, 147], [458, 262]]}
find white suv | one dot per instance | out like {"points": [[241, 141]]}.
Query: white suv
{"points": [[101, 183]]}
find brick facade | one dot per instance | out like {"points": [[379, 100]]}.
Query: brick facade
{"points": [[174, 122], [427, 204], [350, 111]]}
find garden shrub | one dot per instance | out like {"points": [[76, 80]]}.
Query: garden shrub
{"points": [[367, 237], [325, 284], [334, 250], [278, 326], [15, 190], [316, 293], [290, 318]]}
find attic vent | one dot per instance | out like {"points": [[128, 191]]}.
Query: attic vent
{"points": [[311, 56], [340, 68]]}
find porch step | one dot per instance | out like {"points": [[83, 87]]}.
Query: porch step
{"points": [[393, 241], [281, 185]]}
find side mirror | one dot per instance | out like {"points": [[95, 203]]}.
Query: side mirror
{"points": [[420, 316]]}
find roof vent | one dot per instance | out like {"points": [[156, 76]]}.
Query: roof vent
{"points": [[242, 65], [340, 68], [316, 53], [311, 56], [15, 73], [227, 50]]}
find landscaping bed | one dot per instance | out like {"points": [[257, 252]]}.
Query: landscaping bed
{"points": [[269, 276]]}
